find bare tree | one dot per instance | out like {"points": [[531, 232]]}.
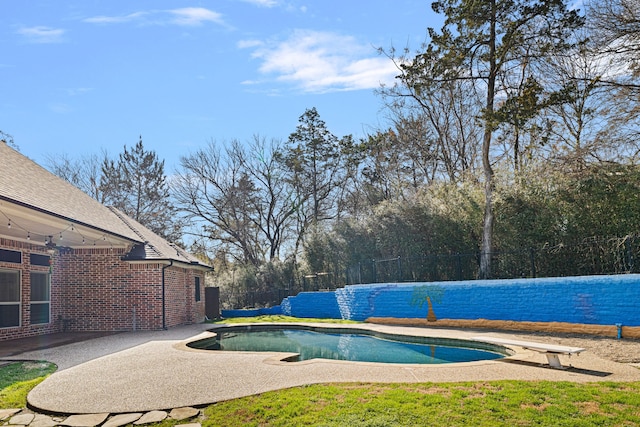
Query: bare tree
{"points": [[448, 140], [615, 26], [84, 172], [239, 198]]}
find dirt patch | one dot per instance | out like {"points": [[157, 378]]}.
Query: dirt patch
{"points": [[600, 340]]}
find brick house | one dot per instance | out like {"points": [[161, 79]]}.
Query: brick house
{"points": [[69, 263]]}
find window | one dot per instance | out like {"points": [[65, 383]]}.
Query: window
{"points": [[197, 289], [38, 259], [10, 256], [9, 298], [40, 297]]}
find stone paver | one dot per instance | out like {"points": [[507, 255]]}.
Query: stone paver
{"points": [[8, 413], [180, 414], [21, 419], [41, 420], [152, 417], [122, 419], [28, 419], [85, 420]]}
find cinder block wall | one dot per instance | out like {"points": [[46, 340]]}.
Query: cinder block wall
{"points": [[602, 300]]}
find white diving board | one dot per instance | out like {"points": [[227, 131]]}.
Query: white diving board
{"points": [[552, 351]]}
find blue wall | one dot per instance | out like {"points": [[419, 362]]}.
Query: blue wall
{"points": [[603, 300]]}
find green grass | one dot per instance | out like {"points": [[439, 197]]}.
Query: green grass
{"points": [[488, 403], [279, 319], [17, 379], [496, 403]]}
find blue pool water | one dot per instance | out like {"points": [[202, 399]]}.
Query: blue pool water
{"points": [[314, 344]]}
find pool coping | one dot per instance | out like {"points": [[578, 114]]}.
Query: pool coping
{"points": [[285, 357]]}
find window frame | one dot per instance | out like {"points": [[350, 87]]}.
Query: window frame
{"points": [[198, 288], [47, 302], [14, 303]]}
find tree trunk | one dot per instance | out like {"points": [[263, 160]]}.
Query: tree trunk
{"points": [[487, 227]]}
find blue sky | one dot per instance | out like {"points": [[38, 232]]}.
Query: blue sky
{"points": [[80, 76]]}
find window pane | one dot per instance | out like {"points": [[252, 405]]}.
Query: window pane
{"points": [[9, 315], [39, 313], [197, 283], [9, 286], [39, 287]]}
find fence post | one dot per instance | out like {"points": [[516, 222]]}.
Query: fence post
{"points": [[399, 278], [375, 278], [627, 244], [532, 259], [458, 266]]}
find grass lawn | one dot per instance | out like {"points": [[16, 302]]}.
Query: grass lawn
{"points": [[17, 379], [279, 319], [489, 403]]}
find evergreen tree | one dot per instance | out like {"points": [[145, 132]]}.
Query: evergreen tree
{"points": [[136, 185], [316, 171]]}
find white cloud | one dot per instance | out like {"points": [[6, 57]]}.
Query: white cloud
{"points": [[246, 44], [195, 16], [187, 16], [320, 62], [42, 34], [263, 3], [116, 19]]}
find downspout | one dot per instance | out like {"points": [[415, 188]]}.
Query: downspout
{"points": [[164, 312]]}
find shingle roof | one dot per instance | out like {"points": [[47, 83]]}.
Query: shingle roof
{"points": [[155, 247], [26, 183]]}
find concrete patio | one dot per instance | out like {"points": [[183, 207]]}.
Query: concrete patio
{"points": [[145, 371]]}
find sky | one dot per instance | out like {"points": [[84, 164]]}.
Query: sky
{"points": [[77, 77]]}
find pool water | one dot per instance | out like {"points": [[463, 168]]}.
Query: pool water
{"points": [[310, 344]]}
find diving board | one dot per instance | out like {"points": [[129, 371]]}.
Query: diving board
{"points": [[552, 351]]}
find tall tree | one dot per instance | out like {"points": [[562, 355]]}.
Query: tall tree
{"points": [[240, 197], [316, 171], [615, 25], [444, 114], [483, 42], [312, 154], [136, 184]]}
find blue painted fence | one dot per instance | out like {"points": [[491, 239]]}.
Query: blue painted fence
{"points": [[604, 300]]}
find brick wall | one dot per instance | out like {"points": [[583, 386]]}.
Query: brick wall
{"points": [[602, 300], [182, 307], [93, 290]]}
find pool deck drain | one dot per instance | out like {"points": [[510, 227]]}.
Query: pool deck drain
{"points": [[138, 372]]}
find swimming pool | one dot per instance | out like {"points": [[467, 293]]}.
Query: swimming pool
{"points": [[352, 344]]}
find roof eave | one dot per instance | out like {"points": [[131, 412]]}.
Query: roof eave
{"points": [[168, 261], [70, 220]]}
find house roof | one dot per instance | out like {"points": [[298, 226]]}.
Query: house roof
{"points": [[38, 206]]}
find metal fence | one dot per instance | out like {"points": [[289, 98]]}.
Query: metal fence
{"points": [[594, 256], [589, 257]]}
